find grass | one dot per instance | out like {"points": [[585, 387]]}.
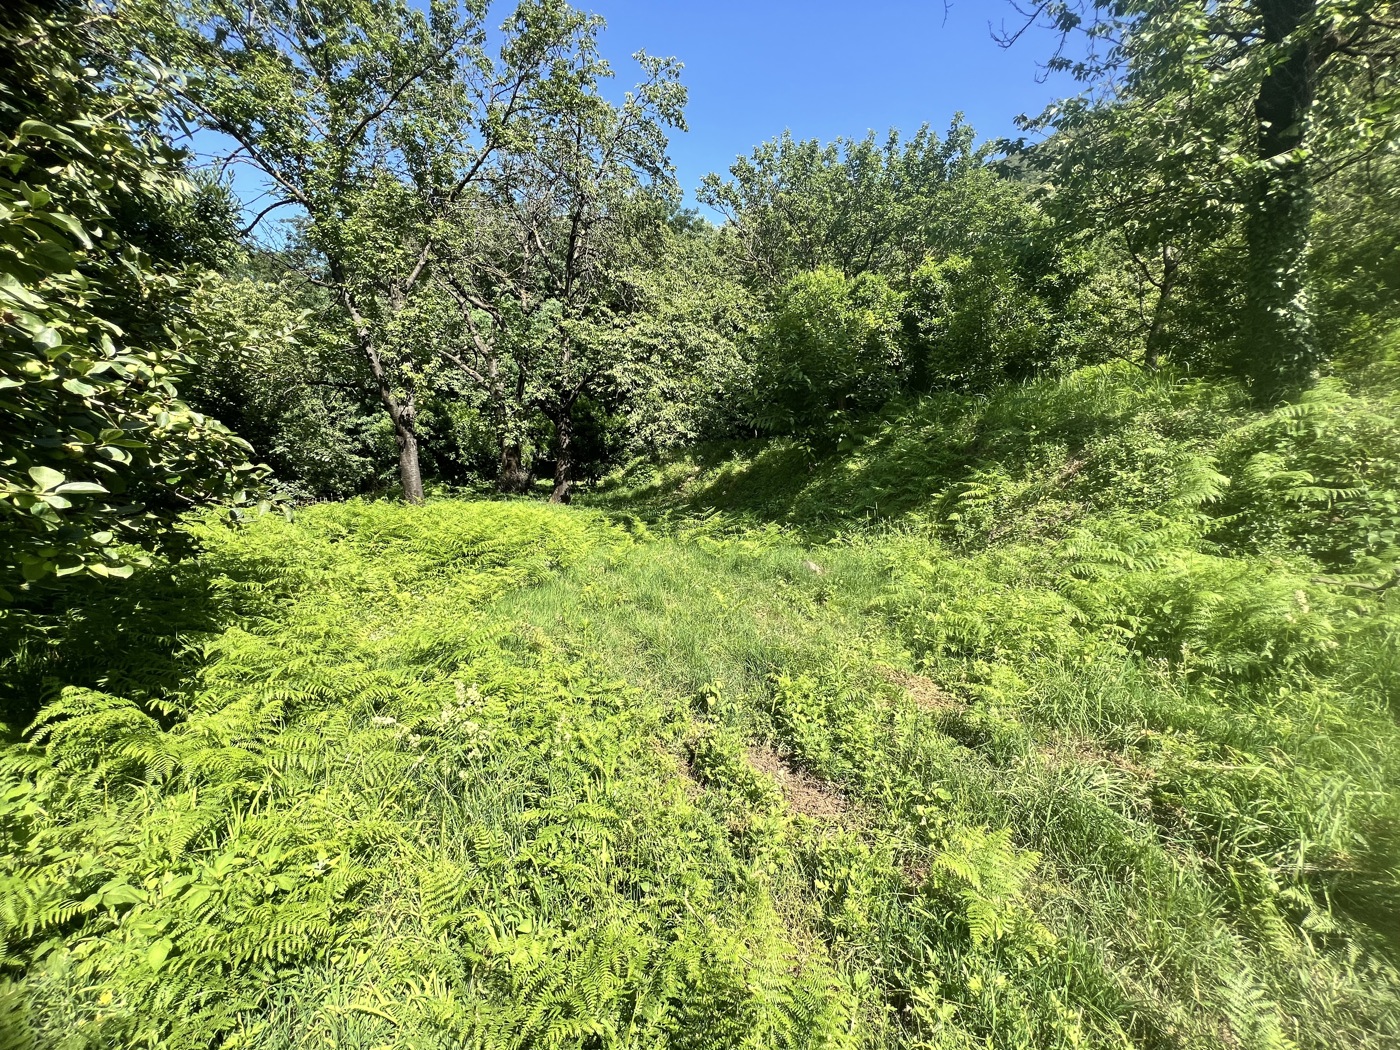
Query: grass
{"points": [[1062, 718]]}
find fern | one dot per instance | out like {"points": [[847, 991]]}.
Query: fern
{"points": [[1099, 757]]}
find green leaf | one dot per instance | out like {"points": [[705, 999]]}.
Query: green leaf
{"points": [[37, 129], [35, 568], [68, 224], [47, 478], [77, 386], [116, 893], [13, 289], [158, 952]]}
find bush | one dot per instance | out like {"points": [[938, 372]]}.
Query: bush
{"points": [[96, 448], [831, 349], [970, 323]]}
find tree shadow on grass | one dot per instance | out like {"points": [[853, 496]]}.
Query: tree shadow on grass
{"points": [[785, 481], [906, 459], [140, 638], [900, 462]]}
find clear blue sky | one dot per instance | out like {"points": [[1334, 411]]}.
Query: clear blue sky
{"points": [[828, 68]]}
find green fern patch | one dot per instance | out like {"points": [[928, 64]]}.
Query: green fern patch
{"points": [[1088, 739]]}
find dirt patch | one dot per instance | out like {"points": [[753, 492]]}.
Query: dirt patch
{"points": [[916, 872], [1072, 467], [923, 691], [803, 793]]}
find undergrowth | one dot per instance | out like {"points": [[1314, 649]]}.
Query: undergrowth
{"points": [[1061, 718]]}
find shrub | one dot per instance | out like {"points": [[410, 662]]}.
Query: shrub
{"points": [[829, 350], [97, 450], [970, 323]]}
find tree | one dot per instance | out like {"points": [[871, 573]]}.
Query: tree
{"points": [[1107, 177], [1356, 267], [96, 448], [370, 117], [972, 323], [1249, 104], [536, 262], [856, 206]]}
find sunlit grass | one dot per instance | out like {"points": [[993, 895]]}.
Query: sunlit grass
{"points": [[1064, 753]]}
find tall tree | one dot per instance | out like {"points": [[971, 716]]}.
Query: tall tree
{"points": [[1123, 173], [369, 117], [536, 261], [1260, 99]]}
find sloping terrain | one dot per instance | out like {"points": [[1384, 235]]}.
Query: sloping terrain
{"points": [[1064, 718]]}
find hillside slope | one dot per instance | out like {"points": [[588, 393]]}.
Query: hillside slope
{"points": [[1064, 718]]}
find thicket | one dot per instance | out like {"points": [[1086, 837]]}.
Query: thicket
{"points": [[98, 454], [843, 274]]}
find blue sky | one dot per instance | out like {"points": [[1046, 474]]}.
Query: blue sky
{"points": [[826, 68], [821, 68]]}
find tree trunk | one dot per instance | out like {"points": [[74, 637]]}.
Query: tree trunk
{"points": [[410, 476], [403, 414], [402, 411], [513, 478], [1156, 334], [406, 434], [1281, 351], [563, 456]]}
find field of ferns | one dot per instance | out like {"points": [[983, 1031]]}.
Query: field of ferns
{"points": [[1064, 718]]}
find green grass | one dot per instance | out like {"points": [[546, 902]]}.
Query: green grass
{"points": [[1061, 718]]}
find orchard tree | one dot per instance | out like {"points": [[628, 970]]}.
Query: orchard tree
{"points": [[536, 261], [490, 262], [370, 118], [856, 205]]}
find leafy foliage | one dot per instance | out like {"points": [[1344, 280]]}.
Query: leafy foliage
{"points": [[96, 448], [257, 823], [830, 350], [1216, 124], [860, 206], [973, 324], [288, 385]]}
